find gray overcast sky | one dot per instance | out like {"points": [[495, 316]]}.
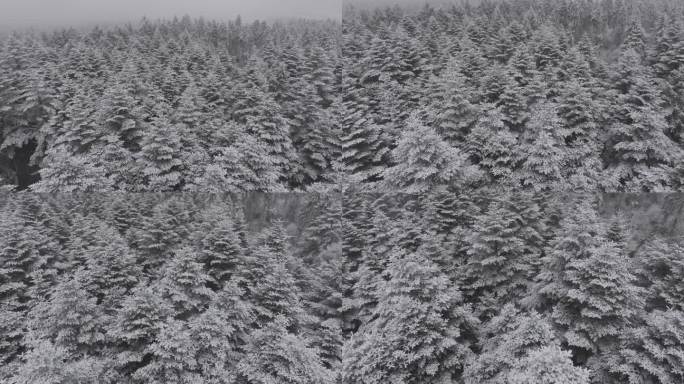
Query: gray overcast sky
{"points": [[48, 13], [371, 4]]}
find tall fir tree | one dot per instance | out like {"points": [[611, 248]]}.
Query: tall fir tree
{"points": [[422, 331]]}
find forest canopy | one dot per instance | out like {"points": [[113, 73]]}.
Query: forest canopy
{"points": [[534, 95], [479, 199]]}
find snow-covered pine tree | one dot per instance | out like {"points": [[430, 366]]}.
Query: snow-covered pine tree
{"points": [[542, 151], [109, 264], [639, 155], [50, 363], [548, 365], [513, 103], [635, 37], [579, 130], [659, 263], [263, 118], [652, 352], [422, 332], [160, 159], [184, 284], [120, 114], [587, 287], [521, 347], [274, 292], [424, 161], [171, 356], [321, 277], [71, 319], [27, 257], [135, 327], [371, 271], [455, 114], [503, 251], [276, 355], [493, 146], [669, 50], [239, 162], [365, 151], [168, 225], [222, 252], [221, 335]]}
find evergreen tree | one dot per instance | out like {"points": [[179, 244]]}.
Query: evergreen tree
{"points": [[262, 118], [171, 355], [669, 49], [587, 287], [548, 365], [184, 284], [659, 263], [542, 151], [652, 351], [71, 319], [635, 37], [27, 258], [421, 333], [135, 328], [513, 105], [365, 152], [424, 160], [67, 172], [222, 252], [237, 163], [80, 131], [159, 157], [639, 156], [521, 347], [274, 292], [547, 50], [47, 362], [167, 226], [221, 335], [579, 130], [274, 355], [120, 115], [492, 146], [503, 251], [456, 117], [111, 269]]}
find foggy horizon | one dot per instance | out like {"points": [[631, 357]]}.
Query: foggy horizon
{"points": [[370, 4], [38, 14]]}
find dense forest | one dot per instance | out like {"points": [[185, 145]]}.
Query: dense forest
{"points": [[567, 95], [470, 198], [169, 288], [513, 288], [176, 105], [353, 288]]}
